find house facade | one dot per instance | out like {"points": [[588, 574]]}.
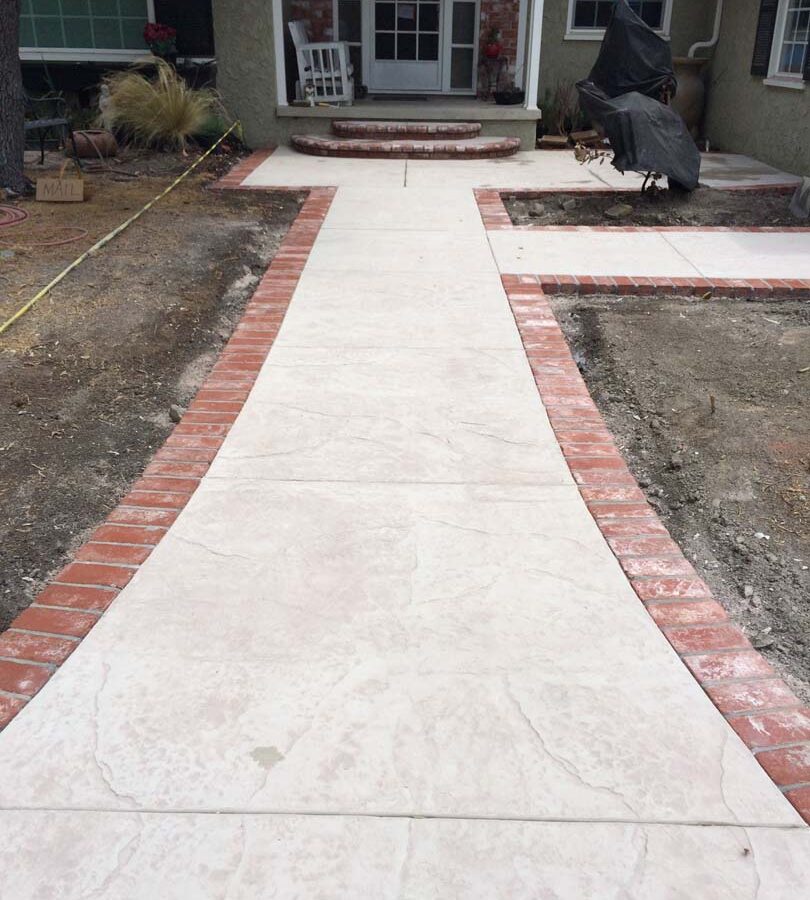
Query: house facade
{"points": [[433, 52]]}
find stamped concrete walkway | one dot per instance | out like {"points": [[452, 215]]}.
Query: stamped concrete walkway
{"points": [[385, 652]]}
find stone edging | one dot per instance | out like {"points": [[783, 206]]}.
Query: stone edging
{"points": [[757, 704], [496, 218], [42, 637]]}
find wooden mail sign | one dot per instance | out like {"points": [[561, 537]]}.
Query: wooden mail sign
{"points": [[60, 190]]}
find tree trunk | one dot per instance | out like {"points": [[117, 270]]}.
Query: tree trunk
{"points": [[12, 102]]}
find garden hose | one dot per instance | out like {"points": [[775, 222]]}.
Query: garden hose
{"points": [[108, 237]]}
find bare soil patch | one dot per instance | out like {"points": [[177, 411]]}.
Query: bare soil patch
{"points": [[733, 485], [88, 376], [703, 207]]}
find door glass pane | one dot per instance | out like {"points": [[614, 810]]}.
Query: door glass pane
{"points": [[461, 68], [350, 21], [428, 16], [384, 45], [406, 16], [463, 23], [406, 46], [384, 17], [429, 47]]}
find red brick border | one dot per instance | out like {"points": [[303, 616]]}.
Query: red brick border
{"points": [[357, 148], [758, 705], [796, 288], [41, 638], [496, 218]]}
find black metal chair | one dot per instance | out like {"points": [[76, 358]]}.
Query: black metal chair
{"points": [[43, 115]]}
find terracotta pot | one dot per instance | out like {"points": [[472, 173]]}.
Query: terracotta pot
{"points": [[91, 144], [493, 51], [690, 97]]}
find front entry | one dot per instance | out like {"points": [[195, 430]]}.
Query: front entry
{"points": [[405, 46], [420, 46]]}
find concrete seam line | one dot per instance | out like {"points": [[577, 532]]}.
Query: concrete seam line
{"points": [[74, 599]]}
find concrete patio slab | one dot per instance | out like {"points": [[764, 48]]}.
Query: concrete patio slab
{"points": [[286, 168], [312, 664], [359, 415], [182, 856], [385, 650], [430, 209], [730, 170], [591, 253], [356, 250], [385, 310], [744, 255]]}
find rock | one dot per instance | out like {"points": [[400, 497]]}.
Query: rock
{"points": [[176, 412], [748, 591], [763, 641], [675, 462], [619, 211], [536, 210], [568, 204]]}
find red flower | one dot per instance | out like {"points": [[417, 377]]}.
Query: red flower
{"points": [[155, 33]]}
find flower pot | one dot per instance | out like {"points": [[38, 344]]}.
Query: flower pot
{"points": [[690, 97], [493, 51], [91, 144], [509, 98]]}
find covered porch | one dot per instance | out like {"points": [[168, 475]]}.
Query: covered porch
{"points": [[426, 60]]}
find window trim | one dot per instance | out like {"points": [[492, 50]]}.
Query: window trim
{"points": [[775, 78], [88, 54], [596, 34]]}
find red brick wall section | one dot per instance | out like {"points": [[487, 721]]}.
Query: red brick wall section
{"points": [[505, 16], [319, 15]]}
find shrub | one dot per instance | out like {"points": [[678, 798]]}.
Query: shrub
{"points": [[157, 111]]}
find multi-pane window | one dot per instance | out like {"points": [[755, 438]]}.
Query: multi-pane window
{"points": [[795, 36], [407, 30], [589, 15], [83, 24]]}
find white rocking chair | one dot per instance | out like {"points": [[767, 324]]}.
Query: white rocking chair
{"points": [[324, 70]]}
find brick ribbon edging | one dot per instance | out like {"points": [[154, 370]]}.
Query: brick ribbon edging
{"points": [[496, 217], [757, 704], [42, 637]]}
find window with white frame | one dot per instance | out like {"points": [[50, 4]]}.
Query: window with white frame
{"points": [[791, 37], [589, 18]]}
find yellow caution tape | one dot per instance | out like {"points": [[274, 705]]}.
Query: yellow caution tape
{"points": [[114, 233]]}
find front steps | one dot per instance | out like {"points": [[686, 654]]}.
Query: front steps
{"points": [[428, 131], [405, 140]]}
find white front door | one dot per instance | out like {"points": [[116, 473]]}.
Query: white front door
{"points": [[405, 45]]}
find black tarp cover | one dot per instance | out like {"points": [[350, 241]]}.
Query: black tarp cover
{"points": [[623, 95]]}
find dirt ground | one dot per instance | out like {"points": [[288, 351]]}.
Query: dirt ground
{"points": [[733, 485], [704, 206], [88, 376]]}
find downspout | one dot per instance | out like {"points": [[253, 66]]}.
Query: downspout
{"points": [[706, 45]]}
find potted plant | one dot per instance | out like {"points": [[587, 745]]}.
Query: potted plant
{"points": [[508, 94], [161, 40], [492, 45]]}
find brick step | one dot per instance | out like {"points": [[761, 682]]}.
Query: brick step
{"points": [[424, 131], [357, 148]]}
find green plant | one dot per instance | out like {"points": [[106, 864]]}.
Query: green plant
{"points": [[157, 111]]}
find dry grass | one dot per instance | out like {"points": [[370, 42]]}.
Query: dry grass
{"points": [[158, 111]]}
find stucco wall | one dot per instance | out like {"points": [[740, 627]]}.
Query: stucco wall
{"points": [[743, 114], [562, 60], [246, 65]]}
